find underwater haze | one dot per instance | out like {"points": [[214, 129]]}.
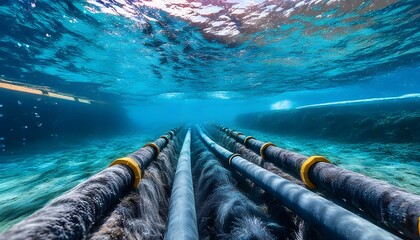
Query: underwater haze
{"points": [[83, 82]]}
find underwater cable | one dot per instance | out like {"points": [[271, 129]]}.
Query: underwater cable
{"points": [[223, 210], [394, 207], [182, 222], [73, 214], [142, 213], [329, 218]]}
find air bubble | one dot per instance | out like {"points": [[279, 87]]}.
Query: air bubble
{"points": [[1, 105], [25, 127], [2, 145], [39, 124], [19, 102], [1, 138], [1, 115]]}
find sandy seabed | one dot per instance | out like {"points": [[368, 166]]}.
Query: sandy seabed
{"points": [[29, 180]]}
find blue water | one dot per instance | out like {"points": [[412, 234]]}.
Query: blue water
{"points": [[173, 62]]}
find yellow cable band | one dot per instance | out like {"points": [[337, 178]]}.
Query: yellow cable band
{"points": [[154, 146], [248, 138], [165, 137], [231, 157], [237, 134], [419, 226], [133, 165], [263, 147], [307, 164]]}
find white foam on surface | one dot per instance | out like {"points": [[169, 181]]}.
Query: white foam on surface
{"points": [[281, 105]]}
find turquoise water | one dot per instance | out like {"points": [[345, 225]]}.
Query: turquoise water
{"points": [[148, 66]]}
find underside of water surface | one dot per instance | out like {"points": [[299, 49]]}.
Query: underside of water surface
{"points": [[85, 82]]}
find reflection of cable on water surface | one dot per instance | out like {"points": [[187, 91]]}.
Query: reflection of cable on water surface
{"points": [[39, 90]]}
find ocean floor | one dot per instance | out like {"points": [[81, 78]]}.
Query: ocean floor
{"points": [[395, 163], [29, 181]]}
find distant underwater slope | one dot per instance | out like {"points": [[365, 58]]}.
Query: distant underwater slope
{"points": [[29, 115], [380, 121]]}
